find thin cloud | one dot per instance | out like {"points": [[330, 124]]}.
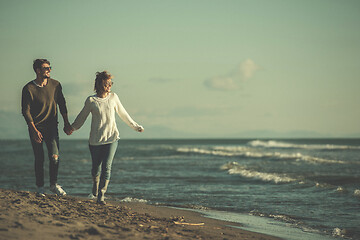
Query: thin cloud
{"points": [[190, 111], [226, 83], [248, 69], [233, 80], [161, 80]]}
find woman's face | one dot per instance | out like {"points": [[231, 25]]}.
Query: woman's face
{"points": [[107, 85]]}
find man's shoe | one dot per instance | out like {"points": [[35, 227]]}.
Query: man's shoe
{"points": [[58, 190], [92, 196], [40, 192]]}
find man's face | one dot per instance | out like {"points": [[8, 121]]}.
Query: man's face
{"points": [[44, 71]]}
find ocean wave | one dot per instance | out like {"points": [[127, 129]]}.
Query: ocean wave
{"points": [[298, 222], [319, 160], [280, 217], [338, 232], [197, 207], [244, 152], [206, 151], [285, 218], [338, 189], [341, 189], [130, 199], [346, 233], [232, 148], [277, 144], [357, 192], [236, 168], [324, 185]]}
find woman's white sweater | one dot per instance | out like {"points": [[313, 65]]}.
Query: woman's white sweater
{"points": [[103, 125]]}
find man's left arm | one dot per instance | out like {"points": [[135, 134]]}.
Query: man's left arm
{"points": [[63, 110], [67, 127]]}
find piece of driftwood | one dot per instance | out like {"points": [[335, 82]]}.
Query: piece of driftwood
{"points": [[191, 224]]}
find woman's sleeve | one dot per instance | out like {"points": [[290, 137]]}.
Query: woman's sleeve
{"points": [[119, 108], [81, 118]]}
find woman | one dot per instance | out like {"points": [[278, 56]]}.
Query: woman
{"points": [[104, 134]]}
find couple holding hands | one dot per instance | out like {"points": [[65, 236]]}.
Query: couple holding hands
{"points": [[40, 98]]}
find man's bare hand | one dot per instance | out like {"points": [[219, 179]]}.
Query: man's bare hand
{"points": [[36, 135], [68, 129]]}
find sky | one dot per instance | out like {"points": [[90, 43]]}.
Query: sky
{"points": [[198, 69]]}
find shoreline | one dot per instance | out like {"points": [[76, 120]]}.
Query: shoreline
{"points": [[23, 215]]}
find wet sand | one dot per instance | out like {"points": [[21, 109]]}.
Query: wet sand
{"points": [[23, 215]]}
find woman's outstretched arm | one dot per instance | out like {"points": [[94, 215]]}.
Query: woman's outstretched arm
{"points": [[82, 116], [125, 116]]}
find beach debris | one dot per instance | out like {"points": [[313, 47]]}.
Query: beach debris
{"points": [[181, 221], [178, 219]]}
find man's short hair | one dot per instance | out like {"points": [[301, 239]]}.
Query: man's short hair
{"points": [[39, 62]]}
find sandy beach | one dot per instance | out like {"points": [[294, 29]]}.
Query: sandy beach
{"points": [[23, 215]]}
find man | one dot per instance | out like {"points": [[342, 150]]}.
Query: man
{"points": [[40, 98]]}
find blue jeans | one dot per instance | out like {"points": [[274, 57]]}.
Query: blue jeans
{"points": [[51, 138], [102, 157]]}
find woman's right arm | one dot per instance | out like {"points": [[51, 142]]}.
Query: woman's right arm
{"points": [[81, 118]]}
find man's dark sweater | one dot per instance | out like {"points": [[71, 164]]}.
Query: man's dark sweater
{"points": [[39, 104]]}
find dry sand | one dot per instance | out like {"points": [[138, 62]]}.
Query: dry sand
{"points": [[23, 215]]}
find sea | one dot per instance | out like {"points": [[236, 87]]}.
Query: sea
{"points": [[291, 188]]}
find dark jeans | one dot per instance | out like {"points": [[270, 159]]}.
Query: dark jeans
{"points": [[102, 158], [51, 138]]}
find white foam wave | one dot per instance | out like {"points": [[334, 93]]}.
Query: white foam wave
{"points": [[357, 192], [130, 199], [197, 207], [338, 232], [277, 144], [320, 160], [235, 168], [232, 148], [243, 152], [205, 151], [284, 218], [323, 185], [341, 189]]}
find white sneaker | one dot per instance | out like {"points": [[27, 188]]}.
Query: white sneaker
{"points": [[40, 192], [58, 190], [92, 196]]}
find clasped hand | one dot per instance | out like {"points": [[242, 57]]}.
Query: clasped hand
{"points": [[68, 129]]}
